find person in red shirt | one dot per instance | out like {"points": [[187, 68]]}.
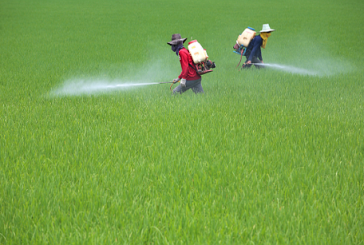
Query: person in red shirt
{"points": [[189, 77]]}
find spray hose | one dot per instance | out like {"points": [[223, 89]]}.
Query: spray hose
{"points": [[170, 88], [242, 53]]}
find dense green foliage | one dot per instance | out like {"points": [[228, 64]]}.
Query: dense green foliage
{"points": [[262, 157]]}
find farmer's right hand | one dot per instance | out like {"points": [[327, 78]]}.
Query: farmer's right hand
{"points": [[248, 62], [176, 80], [183, 82]]}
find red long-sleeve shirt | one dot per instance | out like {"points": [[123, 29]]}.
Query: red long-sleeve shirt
{"points": [[188, 72]]}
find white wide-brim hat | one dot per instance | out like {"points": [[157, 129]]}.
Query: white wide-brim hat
{"points": [[266, 28]]}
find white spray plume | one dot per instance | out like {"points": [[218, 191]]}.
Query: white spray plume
{"points": [[302, 56], [132, 76], [321, 68], [290, 69], [76, 87]]}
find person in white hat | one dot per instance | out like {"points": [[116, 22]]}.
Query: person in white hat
{"points": [[189, 77], [253, 53]]}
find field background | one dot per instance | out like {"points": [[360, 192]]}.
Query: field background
{"points": [[262, 157]]}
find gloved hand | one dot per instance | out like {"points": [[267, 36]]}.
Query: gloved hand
{"points": [[183, 82], [176, 80]]}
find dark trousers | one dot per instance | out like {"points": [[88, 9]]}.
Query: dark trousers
{"points": [[254, 60], [195, 85]]}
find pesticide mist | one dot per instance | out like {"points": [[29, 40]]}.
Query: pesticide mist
{"points": [[126, 77], [77, 87], [318, 68], [290, 69]]}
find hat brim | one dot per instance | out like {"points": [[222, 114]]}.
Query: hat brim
{"points": [[270, 30], [174, 42]]}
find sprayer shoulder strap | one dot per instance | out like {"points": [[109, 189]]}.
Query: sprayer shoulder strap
{"points": [[192, 67], [199, 73]]}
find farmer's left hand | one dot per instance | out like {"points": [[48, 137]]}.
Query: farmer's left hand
{"points": [[176, 80]]}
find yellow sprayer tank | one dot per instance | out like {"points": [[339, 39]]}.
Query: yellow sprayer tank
{"points": [[247, 35], [197, 52]]}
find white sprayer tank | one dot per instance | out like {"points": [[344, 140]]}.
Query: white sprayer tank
{"points": [[197, 52], [245, 38]]}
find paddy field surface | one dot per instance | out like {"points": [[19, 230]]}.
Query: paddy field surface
{"points": [[264, 156]]}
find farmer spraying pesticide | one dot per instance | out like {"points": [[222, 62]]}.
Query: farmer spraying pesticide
{"points": [[194, 63], [252, 46]]}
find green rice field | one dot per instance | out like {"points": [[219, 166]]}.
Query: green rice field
{"points": [[264, 156]]}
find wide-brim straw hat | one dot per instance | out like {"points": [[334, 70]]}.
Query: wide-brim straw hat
{"points": [[176, 38], [266, 28]]}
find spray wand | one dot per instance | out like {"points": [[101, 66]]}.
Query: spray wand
{"points": [[170, 88], [164, 82]]}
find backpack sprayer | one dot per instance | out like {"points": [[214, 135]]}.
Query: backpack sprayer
{"points": [[200, 59], [243, 41]]}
